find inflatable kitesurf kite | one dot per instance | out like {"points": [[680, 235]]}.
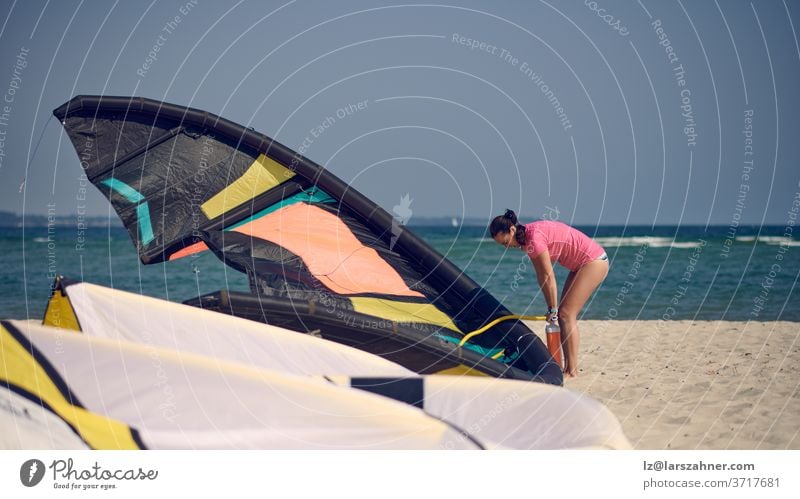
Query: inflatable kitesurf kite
{"points": [[321, 258], [110, 369]]}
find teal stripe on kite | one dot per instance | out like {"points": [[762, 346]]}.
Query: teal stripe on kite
{"points": [[124, 189], [486, 352], [142, 210], [145, 227], [314, 195]]}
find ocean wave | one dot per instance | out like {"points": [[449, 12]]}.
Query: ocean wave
{"points": [[685, 245], [652, 241], [773, 240], [479, 240], [787, 242]]}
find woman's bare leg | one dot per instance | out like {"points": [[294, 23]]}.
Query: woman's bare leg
{"points": [[564, 344], [578, 287]]}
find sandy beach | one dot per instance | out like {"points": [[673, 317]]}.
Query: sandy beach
{"points": [[695, 384]]}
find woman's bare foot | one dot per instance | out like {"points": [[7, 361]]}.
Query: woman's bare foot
{"points": [[571, 372]]}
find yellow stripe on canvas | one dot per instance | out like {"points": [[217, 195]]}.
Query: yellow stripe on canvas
{"points": [[399, 311], [18, 367], [59, 312], [264, 174], [461, 370]]}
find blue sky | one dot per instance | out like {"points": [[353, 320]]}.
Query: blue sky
{"points": [[611, 112]]}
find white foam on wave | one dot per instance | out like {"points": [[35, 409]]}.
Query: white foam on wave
{"points": [[472, 240], [651, 241], [633, 241], [685, 245], [788, 241]]}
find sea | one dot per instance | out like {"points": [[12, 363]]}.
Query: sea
{"points": [[745, 273]]}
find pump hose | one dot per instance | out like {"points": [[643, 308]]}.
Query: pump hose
{"points": [[472, 334]]}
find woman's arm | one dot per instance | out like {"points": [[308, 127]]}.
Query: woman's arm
{"points": [[546, 278]]}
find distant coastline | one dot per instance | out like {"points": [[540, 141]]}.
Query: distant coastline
{"points": [[11, 220]]}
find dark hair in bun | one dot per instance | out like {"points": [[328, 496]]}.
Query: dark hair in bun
{"points": [[503, 223]]}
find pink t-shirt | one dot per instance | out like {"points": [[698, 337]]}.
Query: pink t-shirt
{"points": [[568, 246]]}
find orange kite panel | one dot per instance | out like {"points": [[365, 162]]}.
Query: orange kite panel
{"points": [[329, 249], [189, 250]]}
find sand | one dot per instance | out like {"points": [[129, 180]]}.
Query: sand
{"points": [[695, 384]]}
